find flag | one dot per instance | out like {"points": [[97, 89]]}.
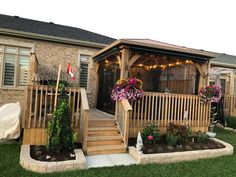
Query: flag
{"points": [[69, 71]]}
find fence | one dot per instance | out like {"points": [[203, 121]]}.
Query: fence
{"points": [[161, 109], [39, 107], [230, 105]]}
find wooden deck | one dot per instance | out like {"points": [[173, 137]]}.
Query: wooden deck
{"points": [[97, 114]]}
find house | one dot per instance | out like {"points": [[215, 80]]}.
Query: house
{"points": [[224, 66], [172, 76], [21, 40]]}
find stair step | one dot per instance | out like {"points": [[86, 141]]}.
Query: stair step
{"points": [[102, 131], [104, 140], [101, 123], [112, 149]]}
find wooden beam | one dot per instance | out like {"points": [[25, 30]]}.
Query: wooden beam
{"points": [[124, 63], [203, 70], [119, 60], [133, 59], [199, 68], [97, 67]]}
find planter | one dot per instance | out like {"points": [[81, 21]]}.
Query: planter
{"points": [[46, 167], [173, 157]]}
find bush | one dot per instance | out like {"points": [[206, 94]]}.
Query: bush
{"points": [[201, 137], [151, 134], [230, 121], [180, 133], [60, 134], [171, 139]]}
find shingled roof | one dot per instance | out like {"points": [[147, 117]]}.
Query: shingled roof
{"points": [[51, 29], [224, 58]]}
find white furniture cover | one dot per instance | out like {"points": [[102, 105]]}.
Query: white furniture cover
{"points": [[10, 121]]}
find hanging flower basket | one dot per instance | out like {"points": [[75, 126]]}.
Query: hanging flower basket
{"points": [[210, 94], [130, 89]]}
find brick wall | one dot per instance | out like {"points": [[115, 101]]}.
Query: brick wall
{"points": [[11, 96], [50, 55]]}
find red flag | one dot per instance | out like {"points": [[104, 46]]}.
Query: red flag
{"points": [[69, 71]]}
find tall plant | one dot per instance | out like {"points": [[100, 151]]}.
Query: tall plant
{"points": [[60, 133]]}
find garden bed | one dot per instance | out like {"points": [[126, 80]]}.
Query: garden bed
{"points": [[42, 154], [171, 157], [163, 147], [79, 162]]}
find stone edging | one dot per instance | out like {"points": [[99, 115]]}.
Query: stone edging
{"points": [[181, 156], [45, 167]]}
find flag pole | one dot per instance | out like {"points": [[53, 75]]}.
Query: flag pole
{"points": [[58, 79]]}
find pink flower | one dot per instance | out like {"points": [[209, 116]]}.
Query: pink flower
{"points": [[150, 137]]}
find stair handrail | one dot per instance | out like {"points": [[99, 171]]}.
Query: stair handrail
{"points": [[84, 118], [122, 112]]}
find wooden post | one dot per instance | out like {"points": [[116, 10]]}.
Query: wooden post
{"points": [[202, 68], [124, 63], [58, 79]]}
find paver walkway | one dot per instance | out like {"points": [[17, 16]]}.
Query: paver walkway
{"points": [[110, 160]]}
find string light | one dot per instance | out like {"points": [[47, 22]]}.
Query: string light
{"points": [[164, 66]]}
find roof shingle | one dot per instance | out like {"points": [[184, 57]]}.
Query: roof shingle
{"points": [[39, 27]]}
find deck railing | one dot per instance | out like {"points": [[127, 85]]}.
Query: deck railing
{"points": [[39, 106], [230, 105], [84, 118], [161, 109], [122, 115]]}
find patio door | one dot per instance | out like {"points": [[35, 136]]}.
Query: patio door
{"points": [[109, 73]]}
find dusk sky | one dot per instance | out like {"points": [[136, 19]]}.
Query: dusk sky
{"points": [[200, 24]]}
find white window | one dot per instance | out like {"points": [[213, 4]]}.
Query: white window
{"points": [[14, 65], [84, 66]]}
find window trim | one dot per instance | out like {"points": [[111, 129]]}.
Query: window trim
{"points": [[17, 44], [79, 67]]}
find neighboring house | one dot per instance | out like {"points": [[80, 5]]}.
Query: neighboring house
{"points": [[52, 44], [224, 66]]}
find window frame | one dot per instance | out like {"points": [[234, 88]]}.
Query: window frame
{"points": [[16, 67], [79, 67]]}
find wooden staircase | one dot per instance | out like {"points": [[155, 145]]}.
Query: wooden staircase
{"points": [[103, 137]]}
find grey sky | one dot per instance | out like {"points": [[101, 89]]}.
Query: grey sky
{"points": [[201, 24]]}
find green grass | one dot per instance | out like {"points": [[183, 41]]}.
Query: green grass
{"points": [[217, 167]]}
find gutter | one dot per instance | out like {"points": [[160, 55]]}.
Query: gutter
{"points": [[226, 65], [50, 38]]}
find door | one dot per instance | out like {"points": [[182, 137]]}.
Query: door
{"points": [[109, 73]]}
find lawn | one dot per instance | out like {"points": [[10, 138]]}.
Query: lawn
{"points": [[217, 167]]}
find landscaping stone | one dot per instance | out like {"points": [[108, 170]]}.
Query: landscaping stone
{"points": [[181, 156], [188, 148], [45, 167], [205, 147], [170, 148], [179, 147], [160, 149]]}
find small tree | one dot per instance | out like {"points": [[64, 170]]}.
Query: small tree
{"points": [[60, 134]]}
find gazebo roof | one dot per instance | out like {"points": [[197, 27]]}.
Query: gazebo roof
{"points": [[156, 47]]}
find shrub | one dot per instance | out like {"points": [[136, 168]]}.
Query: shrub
{"points": [[230, 121], [179, 132], [151, 134], [171, 139], [201, 137], [60, 134]]}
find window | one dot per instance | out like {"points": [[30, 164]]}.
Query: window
{"points": [[14, 65], [84, 65]]}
